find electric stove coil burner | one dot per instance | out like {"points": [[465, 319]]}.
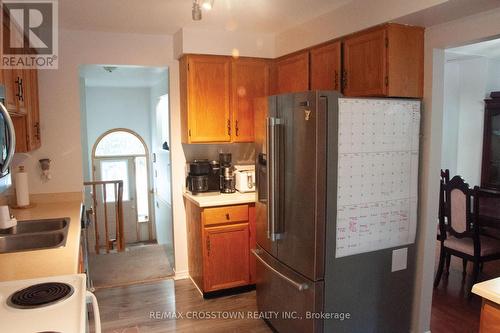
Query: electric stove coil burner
{"points": [[40, 295]]}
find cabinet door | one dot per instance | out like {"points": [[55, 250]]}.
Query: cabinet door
{"points": [[250, 79], [33, 109], [208, 94], [8, 79], [292, 73], [365, 64], [325, 67], [20, 78], [226, 257]]}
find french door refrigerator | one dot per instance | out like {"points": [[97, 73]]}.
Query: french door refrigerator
{"points": [[336, 212]]}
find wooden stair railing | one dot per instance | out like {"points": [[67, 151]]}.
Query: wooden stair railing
{"points": [[118, 205]]}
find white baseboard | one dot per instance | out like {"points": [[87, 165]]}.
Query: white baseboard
{"points": [[181, 275]]}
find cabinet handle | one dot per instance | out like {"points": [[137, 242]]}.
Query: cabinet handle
{"points": [[344, 80], [237, 128], [37, 127], [336, 82], [208, 246], [228, 217], [229, 127], [20, 94]]}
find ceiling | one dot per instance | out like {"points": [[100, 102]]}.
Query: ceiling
{"points": [[488, 49], [168, 16], [122, 76]]}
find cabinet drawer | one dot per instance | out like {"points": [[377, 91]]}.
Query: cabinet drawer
{"points": [[225, 214]]}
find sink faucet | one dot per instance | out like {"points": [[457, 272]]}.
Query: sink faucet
{"points": [[7, 220]]}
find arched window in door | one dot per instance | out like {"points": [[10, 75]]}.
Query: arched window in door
{"points": [[121, 154]]}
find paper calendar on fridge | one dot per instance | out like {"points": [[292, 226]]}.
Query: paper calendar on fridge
{"points": [[377, 185]]}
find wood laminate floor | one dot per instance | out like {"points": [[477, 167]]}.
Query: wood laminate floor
{"points": [[145, 308], [452, 310]]}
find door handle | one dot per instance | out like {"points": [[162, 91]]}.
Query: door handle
{"points": [[273, 179], [298, 285]]}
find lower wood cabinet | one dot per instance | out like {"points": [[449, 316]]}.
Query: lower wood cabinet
{"points": [[226, 257], [490, 317], [219, 243]]}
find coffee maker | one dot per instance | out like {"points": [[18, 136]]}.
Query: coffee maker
{"points": [[197, 179], [203, 176], [227, 178]]}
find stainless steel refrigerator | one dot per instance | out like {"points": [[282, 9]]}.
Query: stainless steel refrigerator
{"points": [[305, 283]]}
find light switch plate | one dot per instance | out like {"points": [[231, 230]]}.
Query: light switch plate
{"points": [[399, 259]]}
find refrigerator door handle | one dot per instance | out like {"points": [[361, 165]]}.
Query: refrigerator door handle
{"points": [[273, 134], [298, 285], [269, 177]]}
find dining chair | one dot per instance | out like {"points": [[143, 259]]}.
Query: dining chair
{"points": [[461, 237]]}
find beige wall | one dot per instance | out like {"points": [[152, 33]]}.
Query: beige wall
{"points": [[60, 112], [353, 16], [459, 32], [223, 42]]}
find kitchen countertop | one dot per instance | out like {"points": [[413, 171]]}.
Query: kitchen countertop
{"points": [[489, 290], [219, 199], [48, 262]]}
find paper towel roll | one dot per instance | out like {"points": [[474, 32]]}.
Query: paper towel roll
{"points": [[22, 191]]}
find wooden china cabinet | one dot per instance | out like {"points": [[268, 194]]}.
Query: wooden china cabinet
{"points": [[490, 175]]}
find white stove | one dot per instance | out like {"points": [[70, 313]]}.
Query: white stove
{"points": [[52, 304]]}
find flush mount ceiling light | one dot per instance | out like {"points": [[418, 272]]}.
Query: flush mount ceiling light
{"points": [[198, 5]]}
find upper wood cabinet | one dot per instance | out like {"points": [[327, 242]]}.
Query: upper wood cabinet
{"points": [[250, 79], [291, 73], [27, 126], [384, 61], [205, 91], [8, 79], [326, 67], [217, 95]]}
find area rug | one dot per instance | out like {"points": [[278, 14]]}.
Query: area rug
{"points": [[135, 265]]}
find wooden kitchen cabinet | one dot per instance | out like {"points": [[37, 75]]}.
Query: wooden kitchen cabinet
{"points": [[250, 79], [291, 74], [226, 257], [326, 67], [217, 95], [27, 127], [8, 81], [384, 61], [219, 243], [205, 93]]}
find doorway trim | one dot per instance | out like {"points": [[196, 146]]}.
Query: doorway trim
{"points": [[148, 175]]}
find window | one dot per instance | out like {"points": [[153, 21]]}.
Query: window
{"points": [[122, 155], [115, 170], [119, 143]]}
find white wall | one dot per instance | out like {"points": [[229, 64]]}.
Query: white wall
{"points": [[353, 16], [451, 112], [468, 81], [223, 42], [161, 167], [459, 32], [117, 107], [60, 112]]}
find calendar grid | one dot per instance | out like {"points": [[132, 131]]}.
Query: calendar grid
{"points": [[377, 174]]}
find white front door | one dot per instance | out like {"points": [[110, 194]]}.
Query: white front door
{"points": [[118, 168]]}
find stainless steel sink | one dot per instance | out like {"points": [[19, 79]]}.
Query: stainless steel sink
{"points": [[28, 227], [34, 235]]}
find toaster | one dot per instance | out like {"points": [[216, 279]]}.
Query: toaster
{"points": [[245, 178]]}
